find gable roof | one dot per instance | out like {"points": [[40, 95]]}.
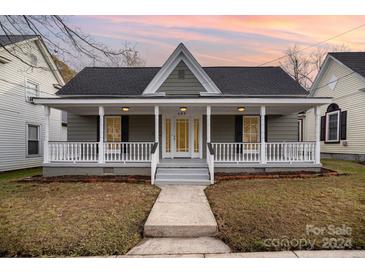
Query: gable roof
{"points": [[6, 40], [12, 39], [353, 60], [181, 54], [104, 81]]}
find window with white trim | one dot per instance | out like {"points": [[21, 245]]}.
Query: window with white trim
{"points": [[33, 140], [31, 90], [333, 126], [333, 82], [251, 129]]}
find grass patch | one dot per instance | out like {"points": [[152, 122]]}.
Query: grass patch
{"points": [[8, 176], [72, 219], [252, 211]]}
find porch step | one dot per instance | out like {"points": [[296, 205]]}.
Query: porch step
{"points": [[183, 175]]}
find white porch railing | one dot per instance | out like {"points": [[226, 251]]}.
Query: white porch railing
{"points": [[128, 151], [278, 152], [73, 151], [290, 152], [89, 151], [237, 152]]}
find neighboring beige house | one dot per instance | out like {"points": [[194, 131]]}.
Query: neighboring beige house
{"points": [[181, 122], [342, 77], [22, 125]]}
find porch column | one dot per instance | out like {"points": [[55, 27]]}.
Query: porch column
{"points": [[101, 135], [317, 115], [46, 135], [262, 135], [156, 124], [209, 111]]}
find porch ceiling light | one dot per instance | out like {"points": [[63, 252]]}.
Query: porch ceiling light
{"points": [[125, 109], [241, 109], [183, 109]]}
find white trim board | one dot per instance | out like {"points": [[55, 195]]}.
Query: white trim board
{"points": [[216, 101]]}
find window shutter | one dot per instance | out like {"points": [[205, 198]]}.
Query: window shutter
{"points": [[343, 125], [125, 128], [238, 129], [266, 127], [97, 128], [323, 128]]}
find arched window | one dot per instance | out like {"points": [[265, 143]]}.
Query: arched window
{"points": [[333, 116], [332, 107]]}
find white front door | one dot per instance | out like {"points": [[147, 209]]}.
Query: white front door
{"points": [[182, 136]]}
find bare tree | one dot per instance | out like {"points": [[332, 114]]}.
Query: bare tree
{"points": [[65, 41], [303, 67], [298, 66]]}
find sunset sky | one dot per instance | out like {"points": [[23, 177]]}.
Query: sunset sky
{"points": [[221, 40]]}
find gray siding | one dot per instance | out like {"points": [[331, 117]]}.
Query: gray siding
{"points": [[142, 128], [85, 128], [175, 86], [282, 128], [279, 128], [82, 128], [223, 128]]}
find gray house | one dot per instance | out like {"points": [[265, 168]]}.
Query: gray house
{"points": [[181, 123]]}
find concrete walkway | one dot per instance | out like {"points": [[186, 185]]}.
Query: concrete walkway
{"points": [[181, 211], [180, 223], [277, 254]]}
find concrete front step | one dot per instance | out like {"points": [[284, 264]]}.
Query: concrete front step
{"points": [[179, 246], [183, 175], [190, 182]]}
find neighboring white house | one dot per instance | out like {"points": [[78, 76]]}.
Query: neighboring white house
{"points": [[342, 76], [181, 122], [21, 121]]}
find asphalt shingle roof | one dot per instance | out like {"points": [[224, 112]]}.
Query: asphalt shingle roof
{"points": [[11, 39], [353, 60], [109, 81]]}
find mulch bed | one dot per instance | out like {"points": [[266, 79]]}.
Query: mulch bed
{"points": [[221, 176], [87, 179]]}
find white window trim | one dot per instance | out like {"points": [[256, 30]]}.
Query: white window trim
{"points": [[259, 127], [26, 89], [338, 112], [39, 140]]}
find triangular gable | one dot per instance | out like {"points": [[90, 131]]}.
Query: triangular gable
{"points": [[181, 54], [323, 69]]}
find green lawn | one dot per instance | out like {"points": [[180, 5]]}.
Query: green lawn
{"points": [[19, 174], [267, 214], [71, 219]]}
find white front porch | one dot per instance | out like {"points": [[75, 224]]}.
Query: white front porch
{"points": [[184, 134]]}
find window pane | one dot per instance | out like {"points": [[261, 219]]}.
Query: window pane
{"points": [[332, 127], [32, 89], [33, 147], [196, 135], [168, 135], [113, 128], [251, 129], [32, 132]]}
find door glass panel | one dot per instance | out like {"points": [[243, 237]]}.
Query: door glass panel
{"points": [[168, 135], [196, 135], [113, 128], [182, 135], [251, 129]]}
